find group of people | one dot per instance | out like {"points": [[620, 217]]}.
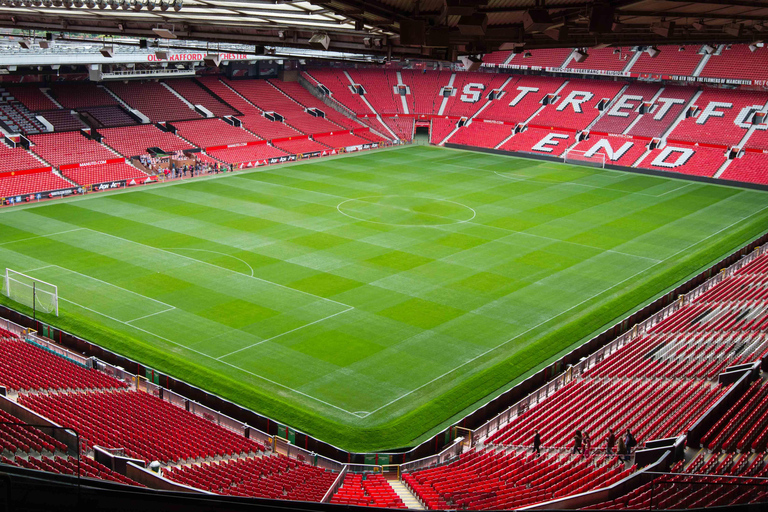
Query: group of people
{"points": [[582, 443], [197, 169]]}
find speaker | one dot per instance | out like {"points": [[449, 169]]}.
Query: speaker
{"points": [[258, 49], [473, 25], [536, 20], [320, 41]]}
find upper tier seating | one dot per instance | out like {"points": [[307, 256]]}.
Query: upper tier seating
{"points": [[196, 95], [584, 95], [509, 479], [482, 134], [31, 183], [146, 427], [17, 159], [63, 120], [367, 491], [69, 148], [719, 111], [104, 173], [267, 129], [669, 61], [246, 154], [341, 140], [498, 57], [379, 88], [212, 132], [666, 109], [610, 59], [693, 160], [298, 93], [25, 367], [224, 92], [77, 95], [274, 477], [425, 90], [153, 100], [109, 116], [31, 96], [622, 151], [472, 91], [525, 141], [549, 58], [298, 146], [623, 112], [752, 167], [135, 140], [269, 98], [738, 62], [526, 94], [338, 84], [17, 118]]}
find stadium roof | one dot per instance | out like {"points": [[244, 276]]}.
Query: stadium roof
{"points": [[440, 29]]}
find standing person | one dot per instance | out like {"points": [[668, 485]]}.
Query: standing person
{"points": [[620, 449], [611, 442], [536, 441], [577, 440], [587, 442], [629, 443]]}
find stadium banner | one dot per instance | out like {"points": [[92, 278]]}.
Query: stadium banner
{"points": [[756, 150], [8, 174], [312, 154], [37, 196], [236, 145], [89, 164], [553, 128], [705, 80], [603, 72], [620, 135], [696, 144], [494, 121], [364, 129], [361, 147], [281, 159], [109, 185], [197, 56]]}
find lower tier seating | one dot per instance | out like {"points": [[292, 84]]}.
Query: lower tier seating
{"points": [[441, 128], [370, 490], [69, 148], [692, 160], [17, 159], [298, 146], [104, 173], [743, 426], [30, 183], [482, 134], [27, 367], [531, 141], [246, 154], [21, 439], [402, 126], [68, 466], [503, 480], [275, 477], [212, 132], [752, 168], [135, 140], [144, 426], [341, 140]]}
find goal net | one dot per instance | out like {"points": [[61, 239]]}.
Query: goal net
{"points": [[574, 156], [31, 292]]}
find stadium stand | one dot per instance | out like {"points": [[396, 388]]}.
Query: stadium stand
{"points": [[604, 59], [340, 140], [751, 167], [577, 105], [482, 134], [196, 95], [540, 140], [275, 477], [685, 159], [228, 95], [472, 91], [212, 132], [153, 100], [135, 140], [104, 173], [522, 99], [69, 466], [299, 94], [554, 58], [30, 95], [425, 90], [669, 61], [109, 116], [618, 150], [491, 479], [402, 126], [339, 86], [245, 154], [751, 65], [77, 95], [496, 58], [69, 148], [17, 159], [369, 490], [441, 128], [379, 89], [665, 109], [44, 181], [623, 112], [63, 120], [298, 146]]}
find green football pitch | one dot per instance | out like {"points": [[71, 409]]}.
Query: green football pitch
{"points": [[371, 298]]}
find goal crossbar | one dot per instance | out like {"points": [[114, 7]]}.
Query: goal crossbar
{"points": [[30, 291], [576, 156]]}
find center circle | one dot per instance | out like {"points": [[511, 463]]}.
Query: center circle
{"points": [[396, 210]]}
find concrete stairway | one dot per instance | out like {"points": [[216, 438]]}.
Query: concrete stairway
{"points": [[406, 495]]}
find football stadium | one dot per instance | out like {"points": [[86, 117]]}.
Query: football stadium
{"points": [[326, 254]]}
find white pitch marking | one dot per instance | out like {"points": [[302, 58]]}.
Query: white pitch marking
{"points": [[151, 314], [215, 252], [41, 236], [559, 314], [474, 213]]}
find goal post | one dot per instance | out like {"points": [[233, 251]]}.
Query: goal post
{"points": [[578, 157], [31, 292]]}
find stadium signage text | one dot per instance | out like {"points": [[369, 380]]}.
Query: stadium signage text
{"points": [[110, 185], [191, 57]]}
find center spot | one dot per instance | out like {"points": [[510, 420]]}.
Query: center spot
{"points": [[399, 210]]}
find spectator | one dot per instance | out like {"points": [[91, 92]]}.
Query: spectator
{"points": [[587, 442], [577, 440], [620, 449], [536, 441], [629, 443], [611, 442]]}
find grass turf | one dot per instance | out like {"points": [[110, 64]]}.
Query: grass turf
{"points": [[368, 299]]}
